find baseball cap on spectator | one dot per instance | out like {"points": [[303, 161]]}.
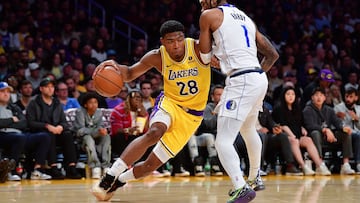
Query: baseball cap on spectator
{"points": [[312, 71], [33, 66], [46, 81], [327, 75], [5, 85]]}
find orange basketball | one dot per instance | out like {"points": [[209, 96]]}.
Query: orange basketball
{"points": [[108, 82]]}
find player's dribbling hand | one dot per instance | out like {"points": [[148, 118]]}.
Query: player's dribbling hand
{"points": [[103, 65]]}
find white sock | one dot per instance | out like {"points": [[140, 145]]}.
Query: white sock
{"points": [[128, 175], [117, 168]]}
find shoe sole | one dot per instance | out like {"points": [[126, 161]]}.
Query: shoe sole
{"points": [[200, 174], [247, 198], [259, 188], [100, 195]]}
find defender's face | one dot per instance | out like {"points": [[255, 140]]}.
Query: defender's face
{"points": [[174, 44]]}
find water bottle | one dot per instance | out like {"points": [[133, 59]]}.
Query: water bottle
{"points": [[277, 166], [207, 167]]}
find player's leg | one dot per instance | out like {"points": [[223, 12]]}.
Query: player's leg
{"points": [[133, 152], [142, 169], [227, 131], [230, 160], [253, 145]]}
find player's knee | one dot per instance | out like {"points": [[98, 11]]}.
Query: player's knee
{"points": [[153, 135]]}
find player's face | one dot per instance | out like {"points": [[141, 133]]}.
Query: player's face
{"points": [[175, 45]]}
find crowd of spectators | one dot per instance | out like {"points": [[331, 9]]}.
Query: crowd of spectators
{"points": [[318, 42]]}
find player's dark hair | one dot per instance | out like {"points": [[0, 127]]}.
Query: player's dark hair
{"points": [[171, 26]]}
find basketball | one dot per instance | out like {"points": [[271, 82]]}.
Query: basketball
{"points": [[108, 82]]}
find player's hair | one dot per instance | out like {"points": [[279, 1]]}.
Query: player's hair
{"points": [[171, 26]]}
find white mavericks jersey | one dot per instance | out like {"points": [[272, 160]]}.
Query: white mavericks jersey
{"points": [[234, 41]]}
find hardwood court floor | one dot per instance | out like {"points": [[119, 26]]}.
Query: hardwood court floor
{"points": [[333, 189]]}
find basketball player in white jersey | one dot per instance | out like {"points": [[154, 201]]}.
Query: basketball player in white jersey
{"points": [[230, 36]]}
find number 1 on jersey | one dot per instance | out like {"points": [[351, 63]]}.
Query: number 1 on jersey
{"points": [[246, 35]]}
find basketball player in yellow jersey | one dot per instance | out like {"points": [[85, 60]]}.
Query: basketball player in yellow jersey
{"points": [[177, 113]]}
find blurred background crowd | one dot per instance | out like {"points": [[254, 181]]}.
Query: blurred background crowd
{"points": [[318, 42]]}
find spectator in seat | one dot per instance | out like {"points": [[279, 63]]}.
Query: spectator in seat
{"points": [[349, 112], [288, 114], [11, 126], [125, 121], [96, 141], [62, 93], [326, 128], [26, 91], [275, 140], [45, 114]]}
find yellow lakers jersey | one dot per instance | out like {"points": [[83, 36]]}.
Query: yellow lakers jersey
{"points": [[186, 83]]}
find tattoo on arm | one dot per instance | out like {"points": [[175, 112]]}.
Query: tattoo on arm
{"points": [[268, 50]]}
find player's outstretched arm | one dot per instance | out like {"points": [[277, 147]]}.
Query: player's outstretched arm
{"points": [[205, 32], [268, 50], [129, 73]]}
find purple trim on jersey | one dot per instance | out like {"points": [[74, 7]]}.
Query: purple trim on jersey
{"points": [[156, 105]]}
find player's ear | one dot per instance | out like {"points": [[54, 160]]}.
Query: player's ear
{"points": [[162, 40]]}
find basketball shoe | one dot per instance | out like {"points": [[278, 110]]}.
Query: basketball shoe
{"points": [[257, 184], [104, 190], [242, 195]]}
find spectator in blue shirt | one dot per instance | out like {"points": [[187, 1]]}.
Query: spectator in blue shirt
{"points": [[62, 94]]}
